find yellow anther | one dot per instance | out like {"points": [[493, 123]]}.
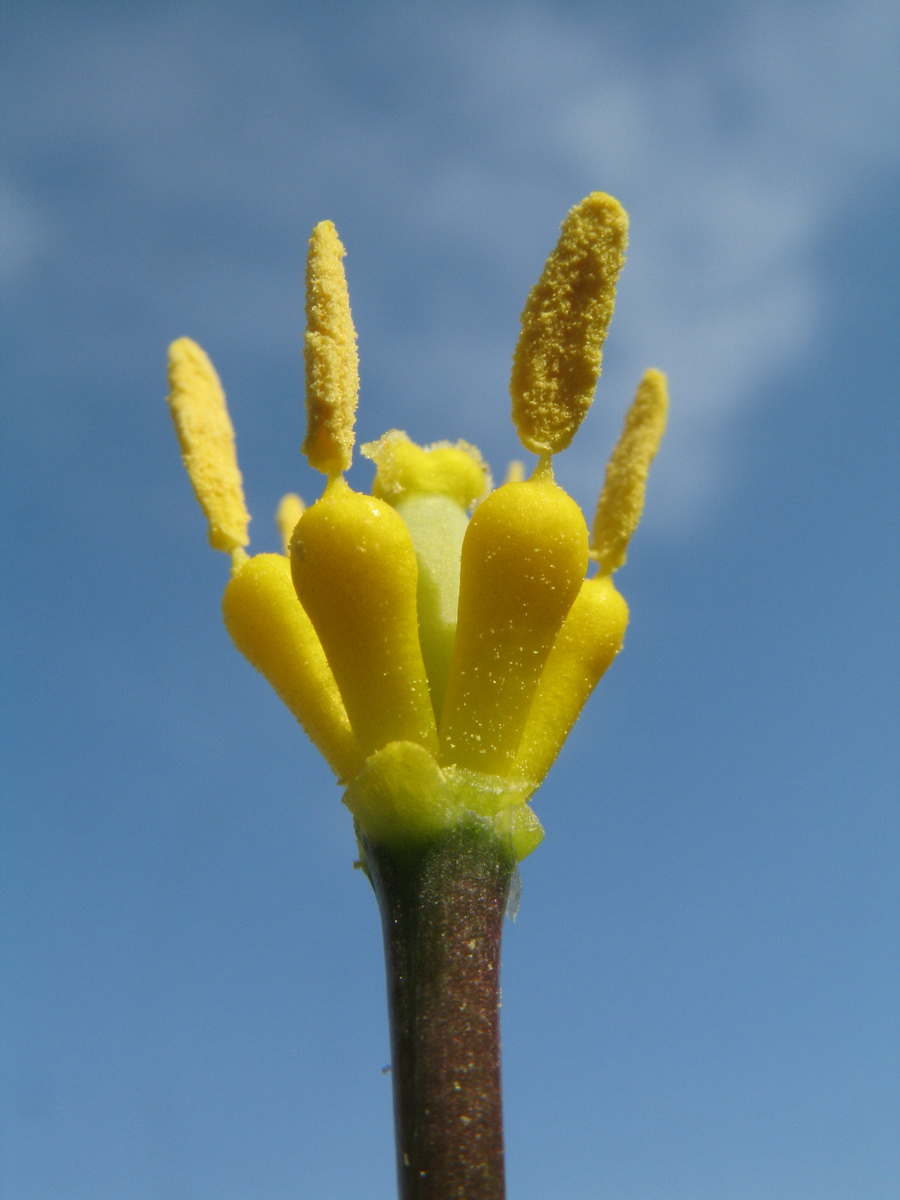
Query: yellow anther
{"points": [[332, 366], [515, 471], [206, 437], [622, 499], [564, 324], [288, 513]]}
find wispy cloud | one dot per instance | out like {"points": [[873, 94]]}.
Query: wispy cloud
{"points": [[182, 157]]}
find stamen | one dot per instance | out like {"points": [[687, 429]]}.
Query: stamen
{"points": [[564, 325], [206, 437], [622, 499], [332, 366]]}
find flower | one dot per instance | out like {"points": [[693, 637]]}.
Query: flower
{"points": [[437, 659]]}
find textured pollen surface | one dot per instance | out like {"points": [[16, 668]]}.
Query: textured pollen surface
{"points": [[332, 365], [206, 437], [456, 470], [622, 499], [564, 324]]}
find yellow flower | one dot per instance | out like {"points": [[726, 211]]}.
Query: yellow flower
{"points": [[436, 639]]}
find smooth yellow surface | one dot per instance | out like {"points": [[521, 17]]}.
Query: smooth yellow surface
{"points": [[355, 572], [332, 366], [622, 499], [206, 438], [269, 627], [523, 561], [290, 510], [591, 637], [564, 324], [456, 470]]}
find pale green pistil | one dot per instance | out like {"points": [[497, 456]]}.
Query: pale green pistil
{"points": [[437, 526]]}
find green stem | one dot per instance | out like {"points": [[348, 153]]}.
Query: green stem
{"points": [[442, 907]]}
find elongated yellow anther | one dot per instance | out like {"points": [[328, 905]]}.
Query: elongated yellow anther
{"points": [[206, 438], [564, 324], [269, 627], [354, 569], [591, 637], [523, 562], [332, 365], [622, 499], [288, 513]]}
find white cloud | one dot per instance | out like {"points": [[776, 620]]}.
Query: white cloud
{"points": [[738, 156], [447, 141]]}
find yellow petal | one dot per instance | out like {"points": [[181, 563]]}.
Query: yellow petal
{"points": [[269, 627], [332, 366], [564, 324], [523, 561], [206, 437], [289, 512], [354, 569], [591, 637], [622, 499]]}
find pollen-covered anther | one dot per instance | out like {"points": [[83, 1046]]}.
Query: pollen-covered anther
{"points": [[206, 437], [564, 324], [622, 499], [332, 365]]}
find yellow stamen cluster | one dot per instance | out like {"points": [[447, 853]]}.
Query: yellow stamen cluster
{"points": [[436, 639]]}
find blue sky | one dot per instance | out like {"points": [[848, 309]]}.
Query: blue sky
{"points": [[701, 990]]}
